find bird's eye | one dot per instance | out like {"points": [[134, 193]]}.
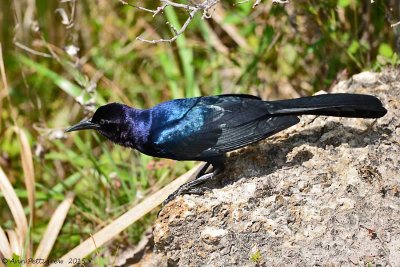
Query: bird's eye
{"points": [[102, 122]]}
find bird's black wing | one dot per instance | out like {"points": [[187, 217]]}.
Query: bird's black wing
{"points": [[204, 127], [235, 137]]}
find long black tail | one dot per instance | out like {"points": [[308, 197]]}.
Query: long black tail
{"points": [[339, 105]]}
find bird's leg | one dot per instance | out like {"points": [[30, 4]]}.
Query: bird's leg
{"points": [[203, 170], [191, 187]]}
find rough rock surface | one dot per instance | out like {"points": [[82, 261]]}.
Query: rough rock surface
{"points": [[325, 192]]}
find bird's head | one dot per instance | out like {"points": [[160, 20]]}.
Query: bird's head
{"points": [[109, 120]]}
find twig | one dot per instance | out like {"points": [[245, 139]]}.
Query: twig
{"points": [[177, 33], [395, 24], [30, 50], [192, 9], [257, 2]]}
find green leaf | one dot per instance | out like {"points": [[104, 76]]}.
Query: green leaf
{"points": [[353, 48], [385, 50], [68, 87], [233, 19], [290, 53], [185, 55], [171, 71], [343, 3], [16, 261], [65, 85]]}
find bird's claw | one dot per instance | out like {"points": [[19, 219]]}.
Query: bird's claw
{"points": [[190, 187]]}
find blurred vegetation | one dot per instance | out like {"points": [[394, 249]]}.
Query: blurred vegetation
{"points": [[274, 51]]}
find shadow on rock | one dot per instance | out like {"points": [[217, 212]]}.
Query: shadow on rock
{"points": [[272, 155]]}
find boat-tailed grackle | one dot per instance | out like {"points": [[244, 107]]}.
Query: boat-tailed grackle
{"points": [[205, 128]]}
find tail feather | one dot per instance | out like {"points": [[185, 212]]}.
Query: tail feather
{"points": [[339, 105]]}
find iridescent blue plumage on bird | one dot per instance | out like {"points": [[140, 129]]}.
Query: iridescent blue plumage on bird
{"points": [[205, 128]]}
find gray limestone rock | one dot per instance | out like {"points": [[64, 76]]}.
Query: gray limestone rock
{"points": [[325, 192]]}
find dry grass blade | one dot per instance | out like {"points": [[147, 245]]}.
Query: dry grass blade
{"points": [[15, 207], [27, 166], [216, 41], [53, 228], [4, 91], [218, 16], [15, 244], [5, 247], [3, 73], [117, 226]]}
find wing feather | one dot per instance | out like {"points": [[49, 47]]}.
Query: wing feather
{"points": [[211, 126], [234, 138]]}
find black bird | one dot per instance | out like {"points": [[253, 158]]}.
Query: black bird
{"points": [[205, 128]]}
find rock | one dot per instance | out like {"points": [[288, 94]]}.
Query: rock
{"points": [[366, 78], [324, 192]]}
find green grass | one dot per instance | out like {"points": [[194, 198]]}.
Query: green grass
{"points": [[303, 45]]}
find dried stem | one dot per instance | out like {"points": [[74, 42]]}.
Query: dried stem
{"points": [[395, 24]]}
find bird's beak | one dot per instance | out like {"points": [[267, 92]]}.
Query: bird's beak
{"points": [[83, 125]]}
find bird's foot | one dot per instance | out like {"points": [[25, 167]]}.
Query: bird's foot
{"points": [[191, 187], [203, 170]]}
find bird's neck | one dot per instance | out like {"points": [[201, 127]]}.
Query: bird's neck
{"points": [[140, 124], [132, 131]]}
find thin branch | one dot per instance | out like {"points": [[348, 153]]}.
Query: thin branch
{"points": [[177, 32], [138, 7], [257, 2], [30, 50], [280, 1], [193, 8], [395, 24]]}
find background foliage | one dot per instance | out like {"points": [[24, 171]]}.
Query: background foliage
{"points": [[273, 51]]}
